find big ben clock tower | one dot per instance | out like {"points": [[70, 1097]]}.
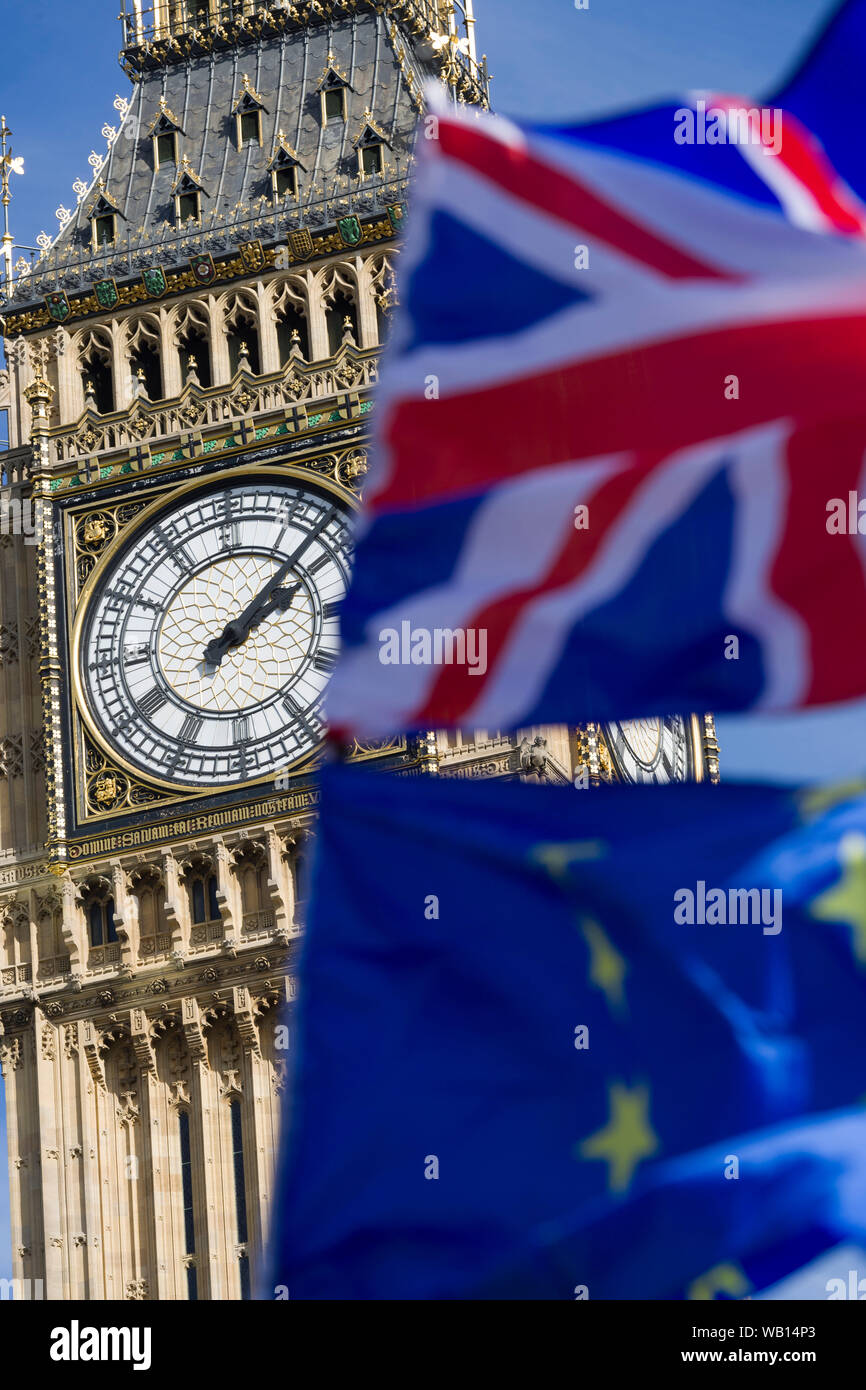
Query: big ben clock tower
{"points": [[190, 365]]}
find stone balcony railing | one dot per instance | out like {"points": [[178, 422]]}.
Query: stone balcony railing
{"points": [[15, 975], [104, 957], [159, 945], [255, 922], [203, 936], [52, 969]]}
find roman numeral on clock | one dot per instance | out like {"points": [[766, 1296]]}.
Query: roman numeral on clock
{"points": [[325, 660], [190, 728], [151, 702], [319, 564], [241, 737], [330, 610], [295, 712]]}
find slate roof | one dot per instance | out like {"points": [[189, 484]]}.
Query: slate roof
{"points": [[201, 93]]}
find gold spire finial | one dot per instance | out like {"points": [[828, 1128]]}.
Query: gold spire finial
{"points": [[9, 164]]}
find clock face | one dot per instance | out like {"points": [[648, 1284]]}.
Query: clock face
{"points": [[652, 750], [206, 649]]}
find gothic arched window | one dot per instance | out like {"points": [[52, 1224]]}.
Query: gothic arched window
{"points": [[293, 333], [145, 364], [341, 313], [146, 882], [193, 341], [242, 334], [251, 868], [201, 883], [100, 919], [204, 900], [94, 360]]}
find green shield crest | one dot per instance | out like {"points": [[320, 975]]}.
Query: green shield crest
{"points": [[57, 305], [396, 215], [154, 280], [349, 229], [106, 293]]}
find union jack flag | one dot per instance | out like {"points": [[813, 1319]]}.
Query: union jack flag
{"points": [[625, 389]]}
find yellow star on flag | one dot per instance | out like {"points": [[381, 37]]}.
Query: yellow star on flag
{"points": [[724, 1278], [846, 900], [607, 968], [557, 858], [627, 1138]]}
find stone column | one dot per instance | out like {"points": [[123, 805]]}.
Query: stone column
{"points": [[368, 324], [270, 348], [318, 324], [172, 377], [219, 347]]}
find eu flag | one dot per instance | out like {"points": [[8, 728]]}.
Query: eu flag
{"points": [[555, 1044]]}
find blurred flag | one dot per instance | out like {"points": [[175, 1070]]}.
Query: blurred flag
{"points": [[559, 1046], [621, 425]]}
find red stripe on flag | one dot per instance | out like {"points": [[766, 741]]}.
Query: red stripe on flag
{"points": [[560, 195], [660, 397], [806, 161], [821, 575], [803, 156], [455, 691]]}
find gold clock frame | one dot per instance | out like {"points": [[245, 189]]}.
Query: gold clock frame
{"points": [[282, 473]]}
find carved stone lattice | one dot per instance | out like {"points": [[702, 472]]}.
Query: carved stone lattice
{"points": [[49, 1041], [8, 644], [37, 750], [32, 636], [10, 1055], [12, 756]]}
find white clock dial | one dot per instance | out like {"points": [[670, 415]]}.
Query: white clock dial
{"points": [[651, 750], [206, 650]]}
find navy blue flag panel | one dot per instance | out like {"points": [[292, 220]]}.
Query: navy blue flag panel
{"points": [[555, 1044]]}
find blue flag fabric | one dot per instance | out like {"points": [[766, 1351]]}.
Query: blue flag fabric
{"points": [[522, 1071]]}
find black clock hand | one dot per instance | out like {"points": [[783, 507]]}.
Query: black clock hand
{"points": [[238, 629]]}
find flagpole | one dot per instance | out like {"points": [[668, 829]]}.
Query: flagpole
{"points": [[5, 170]]}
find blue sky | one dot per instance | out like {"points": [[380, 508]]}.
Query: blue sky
{"points": [[549, 61]]}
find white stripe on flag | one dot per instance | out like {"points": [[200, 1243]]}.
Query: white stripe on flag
{"points": [[725, 228], [545, 624], [759, 480], [511, 543], [611, 325]]}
